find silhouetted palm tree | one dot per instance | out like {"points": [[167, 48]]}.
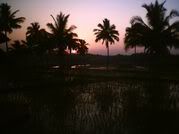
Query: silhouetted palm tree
{"points": [[37, 37], [82, 47], [107, 33], [32, 34], [72, 41], [8, 20], [158, 35], [60, 31]]}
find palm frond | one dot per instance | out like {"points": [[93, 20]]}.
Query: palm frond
{"points": [[100, 26], [106, 32], [12, 15], [71, 28], [174, 13]]}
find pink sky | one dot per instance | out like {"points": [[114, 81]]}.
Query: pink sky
{"points": [[85, 14]]}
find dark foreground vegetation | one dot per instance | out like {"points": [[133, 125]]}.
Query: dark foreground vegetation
{"points": [[131, 97]]}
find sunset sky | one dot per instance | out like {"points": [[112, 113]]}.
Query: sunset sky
{"points": [[85, 14]]}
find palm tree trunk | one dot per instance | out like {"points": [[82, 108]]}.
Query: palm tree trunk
{"points": [[107, 46], [5, 32], [70, 51], [135, 56], [108, 58], [70, 59]]}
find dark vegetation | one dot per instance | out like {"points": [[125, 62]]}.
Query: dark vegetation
{"points": [[44, 88]]}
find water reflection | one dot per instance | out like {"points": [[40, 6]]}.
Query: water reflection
{"points": [[87, 66], [55, 67], [123, 106], [102, 68], [80, 66]]}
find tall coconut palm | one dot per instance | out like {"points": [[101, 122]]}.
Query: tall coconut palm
{"points": [[158, 35], [8, 20], [107, 33], [33, 31], [72, 41], [60, 31], [37, 37], [32, 34], [82, 47]]}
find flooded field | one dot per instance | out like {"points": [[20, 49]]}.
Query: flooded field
{"points": [[110, 107]]}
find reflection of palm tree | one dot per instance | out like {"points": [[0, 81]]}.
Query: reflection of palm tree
{"points": [[8, 20], [82, 47], [158, 35], [60, 31], [107, 33]]}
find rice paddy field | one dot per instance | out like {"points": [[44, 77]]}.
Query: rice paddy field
{"points": [[92, 102]]}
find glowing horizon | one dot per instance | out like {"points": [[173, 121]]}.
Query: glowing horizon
{"points": [[85, 14]]}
